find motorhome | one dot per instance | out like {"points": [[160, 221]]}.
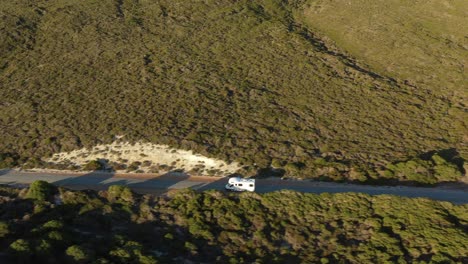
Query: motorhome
{"points": [[239, 184]]}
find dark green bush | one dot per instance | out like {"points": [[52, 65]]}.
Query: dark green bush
{"points": [[445, 170], [134, 166], [8, 160], [120, 193], [430, 171], [93, 165], [276, 163], [21, 249], [41, 191], [78, 254], [4, 229], [293, 168]]}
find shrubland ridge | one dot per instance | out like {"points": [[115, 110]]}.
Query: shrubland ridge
{"points": [[44, 224], [238, 80]]}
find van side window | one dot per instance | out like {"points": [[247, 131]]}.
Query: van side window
{"points": [[251, 185], [240, 184]]}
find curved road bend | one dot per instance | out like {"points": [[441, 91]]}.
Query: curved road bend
{"points": [[144, 183]]}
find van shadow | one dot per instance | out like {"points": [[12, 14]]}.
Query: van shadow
{"points": [[175, 180], [218, 185]]}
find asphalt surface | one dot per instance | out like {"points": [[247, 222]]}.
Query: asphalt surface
{"points": [[160, 184]]}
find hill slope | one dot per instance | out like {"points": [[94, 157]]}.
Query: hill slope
{"points": [[422, 42], [237, 80]]}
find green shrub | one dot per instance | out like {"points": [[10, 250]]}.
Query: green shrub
{"points": [[293, 168], [190, 246], [444, 170], [414, 170], [8, 160], [78, 254], [53, 224], [44, 247], [131, 251], [4, 229], [21, 247], [120, 193], [118, 166], [41, 190], [56, 236], [93, 165], [276, 163], [134, 166], [431, 171]]}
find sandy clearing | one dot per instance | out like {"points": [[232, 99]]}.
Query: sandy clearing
{"points": [[153, 158]]}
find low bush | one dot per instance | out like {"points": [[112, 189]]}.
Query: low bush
{"points": [[41, 191], [93, 165]]}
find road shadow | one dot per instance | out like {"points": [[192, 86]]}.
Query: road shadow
{"points": [[96, 180], [4, 171], [174, 179], [177, 180], [140, 183]]}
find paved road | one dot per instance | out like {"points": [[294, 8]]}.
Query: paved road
{"points": [[157, 185]]}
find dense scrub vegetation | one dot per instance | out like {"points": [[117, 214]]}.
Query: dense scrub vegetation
{"points": [[239, 80], [118, 226]]}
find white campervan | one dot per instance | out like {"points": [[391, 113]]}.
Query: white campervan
{"points": [[239, 184]]}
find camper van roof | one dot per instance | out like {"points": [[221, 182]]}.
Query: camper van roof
{"points": [[239, 179]]}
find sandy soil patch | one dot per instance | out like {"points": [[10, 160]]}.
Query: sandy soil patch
{"points": [[146, 158]]}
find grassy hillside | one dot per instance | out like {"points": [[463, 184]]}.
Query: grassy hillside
{"points": [[423, 43], [239, 80], [282, 227]]}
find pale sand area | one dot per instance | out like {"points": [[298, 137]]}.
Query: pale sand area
{"points": [[154, 158]]}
